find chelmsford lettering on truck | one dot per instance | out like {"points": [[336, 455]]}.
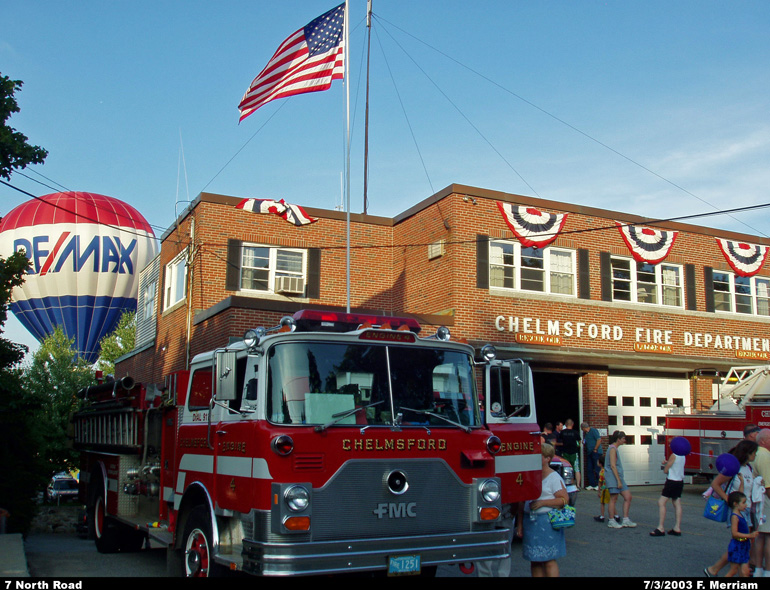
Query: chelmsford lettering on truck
{"points": [[389, 444]]}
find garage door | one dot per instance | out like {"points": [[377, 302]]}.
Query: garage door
{"points": [[636, 405]]}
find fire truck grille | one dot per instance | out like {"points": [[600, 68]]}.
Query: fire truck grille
{"points": [[357, 503]]}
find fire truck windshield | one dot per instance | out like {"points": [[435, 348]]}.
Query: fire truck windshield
{"points": [[317, 383]]}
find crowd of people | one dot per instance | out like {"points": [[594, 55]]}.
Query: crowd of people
{"points": [[748, 551], [744, 492], [542, 544]]}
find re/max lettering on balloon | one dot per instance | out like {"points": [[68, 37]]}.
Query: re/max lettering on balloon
{"points": [[101, 254]]}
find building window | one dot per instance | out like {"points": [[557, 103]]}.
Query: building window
{"points": [[641, 282], [273, 270], [763, 296], [148, 303], [747, 295], [175, 281], [542, 270]]}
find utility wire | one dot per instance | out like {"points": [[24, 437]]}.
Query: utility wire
{"points": [[565, 123], [464, 116], [127, 230], [652, 222], [406, 117], [95, 205]]}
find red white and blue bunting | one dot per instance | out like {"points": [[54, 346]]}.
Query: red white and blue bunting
{"points": [[647, 244], [533, 227], [292, 213], [745, 259]]}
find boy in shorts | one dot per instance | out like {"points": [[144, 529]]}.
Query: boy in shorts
{"points": [[672, 490]]}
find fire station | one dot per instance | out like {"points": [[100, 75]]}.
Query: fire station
{"points": [[622, 318]]}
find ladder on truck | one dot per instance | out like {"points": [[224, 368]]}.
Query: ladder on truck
{"points": [[746, 385]]}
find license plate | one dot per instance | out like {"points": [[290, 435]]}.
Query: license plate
{"points": [[403, 565]]}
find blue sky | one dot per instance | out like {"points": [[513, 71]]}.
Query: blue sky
{"points": [[650, 107]]}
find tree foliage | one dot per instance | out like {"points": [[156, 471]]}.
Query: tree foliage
{"points": [[12, 271], [54, 377], [24, 469], [15, 152], [117, 343]]}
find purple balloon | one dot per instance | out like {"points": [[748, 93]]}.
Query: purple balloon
{"points": [[728, 464], [680, 446]]}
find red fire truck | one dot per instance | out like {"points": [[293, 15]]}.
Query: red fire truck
{"points": [[332, 443], [744, 398]]}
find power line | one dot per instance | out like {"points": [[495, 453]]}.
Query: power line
{"points": [[81, 215], [565, 123], [371, 246]]}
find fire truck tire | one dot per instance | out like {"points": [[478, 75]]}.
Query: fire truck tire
{"points": [[197, 546], [103, 529]]}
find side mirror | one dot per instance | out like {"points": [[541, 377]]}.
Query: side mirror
{"points": [[225, 376], [521, 383]]}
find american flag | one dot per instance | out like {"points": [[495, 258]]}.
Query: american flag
{"points": [[307, 61], [292, 213]]}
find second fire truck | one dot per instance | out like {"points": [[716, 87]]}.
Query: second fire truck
{"points": [[744, 398]]}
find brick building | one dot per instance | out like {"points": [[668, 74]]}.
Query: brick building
{"points": [[612, 337]]}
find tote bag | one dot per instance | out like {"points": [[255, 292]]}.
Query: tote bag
{"points": [[716, 508], [563, 518]]}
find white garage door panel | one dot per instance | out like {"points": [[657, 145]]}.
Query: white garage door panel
{"points": [[638, 411]]}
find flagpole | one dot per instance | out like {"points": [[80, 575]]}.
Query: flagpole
{"points": [[366, 123], [346, 30]]}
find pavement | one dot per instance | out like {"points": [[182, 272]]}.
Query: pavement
{"points": [[13, 559], [593, 550]]}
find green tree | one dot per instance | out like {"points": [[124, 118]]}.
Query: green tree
{"points": [[23, 468], [117, 343], [15, 152], [54, 376], [12, 271]]}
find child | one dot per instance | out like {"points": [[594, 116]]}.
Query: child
{"points": [[738, 549], [672, 490], [603, 493]]}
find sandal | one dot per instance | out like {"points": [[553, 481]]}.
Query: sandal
{"points": [[675, 533], [657, 533]]}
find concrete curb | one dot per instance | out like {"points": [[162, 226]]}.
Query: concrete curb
{"points": [[13, 559]]}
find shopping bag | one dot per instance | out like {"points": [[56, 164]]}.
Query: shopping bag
{"points": [[563, 518]]}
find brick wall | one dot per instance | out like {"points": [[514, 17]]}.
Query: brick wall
{"points": [[392, 273]]}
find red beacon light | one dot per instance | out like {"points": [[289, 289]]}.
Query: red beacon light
{"points": [[311, 320]]}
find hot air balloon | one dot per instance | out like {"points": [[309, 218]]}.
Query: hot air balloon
{"points": [[86, 252]]}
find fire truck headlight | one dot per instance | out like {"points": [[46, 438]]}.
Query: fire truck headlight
{"points": [[490, 490], [297, 498]]}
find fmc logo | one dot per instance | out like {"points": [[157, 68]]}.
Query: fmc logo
{"points": [[101, 254], [396, 510]]}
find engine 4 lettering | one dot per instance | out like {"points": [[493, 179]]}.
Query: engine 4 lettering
{"points": [[396, 510]]}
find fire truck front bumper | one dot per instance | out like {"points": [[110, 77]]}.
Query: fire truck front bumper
{"points": [[397, 555]]}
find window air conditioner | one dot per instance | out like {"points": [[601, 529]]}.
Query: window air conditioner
{"points": [[294, 285]]}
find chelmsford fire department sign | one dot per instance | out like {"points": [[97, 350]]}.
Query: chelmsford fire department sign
{"points": [[556, 332]]}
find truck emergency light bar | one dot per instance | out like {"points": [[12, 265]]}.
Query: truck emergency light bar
{"points": [[311, 320]]}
